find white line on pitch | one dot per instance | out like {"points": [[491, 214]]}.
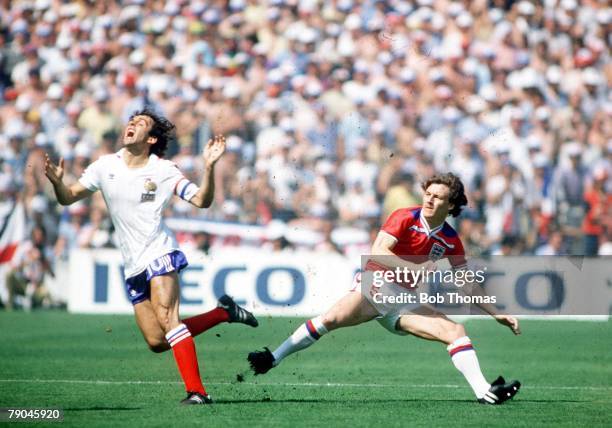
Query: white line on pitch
{"points": [[303, 384]]}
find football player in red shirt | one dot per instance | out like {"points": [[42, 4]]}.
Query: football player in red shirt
{"points": [[413, 238]]}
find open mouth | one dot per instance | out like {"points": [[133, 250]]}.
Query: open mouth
{"points": [[130, 133]]}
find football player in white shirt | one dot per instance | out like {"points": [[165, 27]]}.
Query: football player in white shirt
{"points": [[137, 184]]}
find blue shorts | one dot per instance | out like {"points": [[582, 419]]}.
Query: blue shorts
{"points": [[139, 287]]}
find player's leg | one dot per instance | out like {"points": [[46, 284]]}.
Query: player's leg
{"points": [[428, 324], [151, 329], [165, 302], [352, 309], [226, 311]]}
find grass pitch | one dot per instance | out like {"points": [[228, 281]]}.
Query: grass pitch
{"points": [[98, 369]]}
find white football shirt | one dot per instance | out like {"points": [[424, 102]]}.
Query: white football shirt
{"points": [[136, 199]]}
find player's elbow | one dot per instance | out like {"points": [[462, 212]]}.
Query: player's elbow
{"points": [[202, 204], [65, 201], [205, 203]]}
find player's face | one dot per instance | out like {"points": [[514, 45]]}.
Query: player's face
{"points": [[137, 130], [435, 201]]}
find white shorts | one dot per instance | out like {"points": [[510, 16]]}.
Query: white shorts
{"points": [[389, 322], [383, 299]]}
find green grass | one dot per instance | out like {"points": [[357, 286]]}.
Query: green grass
{"points": [[356, 377]]}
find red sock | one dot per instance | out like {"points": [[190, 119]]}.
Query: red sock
{"points": [[201, 323], [184, 351]]}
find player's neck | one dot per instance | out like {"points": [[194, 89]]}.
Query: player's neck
{"points": [[434, 222], [135, 157]]}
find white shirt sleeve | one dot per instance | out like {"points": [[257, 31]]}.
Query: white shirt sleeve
{"points": [[183, 188], [91, 176]]}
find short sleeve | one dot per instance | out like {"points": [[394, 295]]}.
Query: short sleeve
{"points": [[397, 223], [91, 176], [183, 188], [456, 258]]}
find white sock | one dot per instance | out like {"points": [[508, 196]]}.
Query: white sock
{"points": [[464, 358], [305, 335]]}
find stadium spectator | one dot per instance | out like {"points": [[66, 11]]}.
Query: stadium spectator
{"points": [[599, 212], [29, 266], [554, 246], [493, 91]]}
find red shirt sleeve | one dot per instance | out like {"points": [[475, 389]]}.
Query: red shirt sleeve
{"points": [[398, 222], [456, 257]]}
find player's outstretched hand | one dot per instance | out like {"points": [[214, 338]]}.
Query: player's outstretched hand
{"points": [[54, 173], [510, 322], [214, 149]]}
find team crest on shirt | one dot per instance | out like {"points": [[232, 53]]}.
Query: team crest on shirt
{"points": [[150, 188], [437, 252]]}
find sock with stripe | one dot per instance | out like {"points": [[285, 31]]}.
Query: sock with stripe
{"points": [[306, 334], [200, 323], [465, 360], [184, 352]]}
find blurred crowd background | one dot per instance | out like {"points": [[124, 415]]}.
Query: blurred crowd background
{"points": [[335, 111]]}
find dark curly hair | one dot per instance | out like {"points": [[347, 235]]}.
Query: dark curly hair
{"points": [[163, 130], [456, 194]]}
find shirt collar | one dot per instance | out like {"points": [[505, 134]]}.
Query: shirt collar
{"points": [[426, 226]]}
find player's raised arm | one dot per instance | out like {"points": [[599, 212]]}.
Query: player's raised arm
{"points": [[213, 151], [65, 195]]}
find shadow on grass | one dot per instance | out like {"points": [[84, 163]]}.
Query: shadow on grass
{"points": [[406, 400], [331, 401], [554, 401], [98, 408]]}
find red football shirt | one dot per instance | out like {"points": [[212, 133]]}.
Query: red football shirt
{"points": [[417, 243]]}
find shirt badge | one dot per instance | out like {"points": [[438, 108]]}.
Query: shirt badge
{"points": [[150, 188], [437, 252]]}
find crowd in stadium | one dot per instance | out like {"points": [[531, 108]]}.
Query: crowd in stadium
{"points": [[334, 111]]}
